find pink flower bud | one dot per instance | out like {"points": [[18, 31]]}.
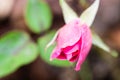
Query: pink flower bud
{"points": [[74, 41]]}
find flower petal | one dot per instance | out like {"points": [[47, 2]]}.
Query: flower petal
{"points": [[74, 56], [67, 53], [71, 49], [56, 52], [85, 47], [68, 56], [62, 56], [69, 34]]}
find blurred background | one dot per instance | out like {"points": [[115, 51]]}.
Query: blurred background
{"points": [[24, 25]]}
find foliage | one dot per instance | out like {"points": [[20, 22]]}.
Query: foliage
{"points": [[16, 49], [38, 16]]}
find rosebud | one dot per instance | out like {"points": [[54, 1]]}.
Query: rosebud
{"points": [[74, 41]]}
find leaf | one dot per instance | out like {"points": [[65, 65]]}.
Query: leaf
{"points": [[16, 50], [99, 43], [88, 16], [38, 16], [68, 13], [45, 54]]}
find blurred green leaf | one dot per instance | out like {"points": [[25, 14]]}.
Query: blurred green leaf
{"points": [[16, 50], [68, 13], [97, 41], [38, 16], [45, 54]]}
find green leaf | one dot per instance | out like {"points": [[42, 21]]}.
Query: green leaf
{"points": [[38, 16], [45, 54], [97, 41], [88, 16], [68, 13], [16, 50]]}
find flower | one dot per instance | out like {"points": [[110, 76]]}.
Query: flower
{"points": [[74, 41]]}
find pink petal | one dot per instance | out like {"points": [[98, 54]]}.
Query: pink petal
{"points": [[72, 51], [62, 56], [85, 47], [68, 56], [66, 53], [74, 56], [59, 54], [69, 34], [56, 52]]}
